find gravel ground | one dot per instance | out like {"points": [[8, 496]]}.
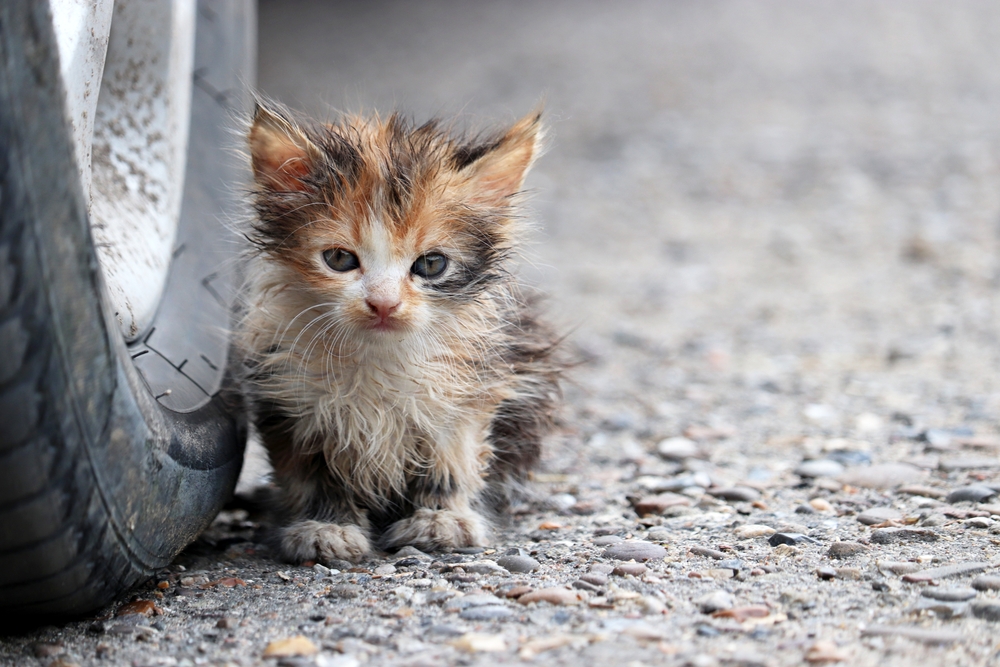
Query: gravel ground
{"points": [[772, 228]]}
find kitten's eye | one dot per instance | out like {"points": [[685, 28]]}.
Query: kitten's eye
{"points": [[430, 265], [340, 260]]}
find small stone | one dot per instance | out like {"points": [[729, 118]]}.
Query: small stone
{"points": [[140, 607], [290, 647], [635, 550], [557, 596], [659, 504], [988, 610], [946, 571], [652, 606], [659, 534], [736, 493], [475, 642], [731, 564], [805, 509], [974, 493], [385, 569], [881, 475], [848, 573], [490, 612], [705, 551], [715, 601], [677, 449], [819, 468], [876, 515], [752, 530], [968, 463], [789, 538], [586, 586], [322, 570], [943, 610], [821, 505], [596, 578], [518, 591], [472, 600], [956, 594], [978, 522], [560, 502], [896, 568], [901, 535], [486, 567], [934, 519], [826, 572], [605, 540], [412, 552], [346, 591], [826, 651], [518, 564], [924, 635], [631, 568], [845, 549], [986, 583], [602, 568], [226, 623], [918, 490]]}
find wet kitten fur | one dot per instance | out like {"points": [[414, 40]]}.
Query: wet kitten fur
{"points": [[396, 408]]}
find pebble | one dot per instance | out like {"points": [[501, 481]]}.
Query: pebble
{"points": [[825, 651], [876, 515], [736, 493], [918, 490], [896, 568], [968, 463], [881, 475], [602, 568], [789, 538], [975, 493], [915, 633], [845, 549], [826, 572], [705, 551], [987, 610], [678, 449], [385, 569], [472, 600], [412, 552], [946, 571], [557, 596], [934, 519], [518, 591], [956, 594], [586, 586], [475, 642], [482, 567], [898, 535], [658, 504], [941, 609], [489, 612], [635, 550], [753, 530], [821, 505], [819, 468], [290, 647], [659, 534], [605, 540], [631, 568], [518, 564], [715, 601], [561, 502], [596, 578], [986, 583], [978, 522], [346, 591]]}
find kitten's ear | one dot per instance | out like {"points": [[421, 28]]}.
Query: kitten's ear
{"points": [[281, 154], [497, 169]]}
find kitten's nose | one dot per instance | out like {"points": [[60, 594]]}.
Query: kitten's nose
{"points": [[382, 307]]}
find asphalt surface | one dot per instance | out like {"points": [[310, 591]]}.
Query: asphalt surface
{"points": [[771, 229]]}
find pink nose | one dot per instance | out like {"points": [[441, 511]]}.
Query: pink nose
{"points": [[382, 307]]}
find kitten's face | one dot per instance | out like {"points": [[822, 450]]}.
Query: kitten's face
{"points": [[391, 229]]}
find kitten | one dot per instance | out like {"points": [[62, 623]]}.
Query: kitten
{"points": [[401, 383]]}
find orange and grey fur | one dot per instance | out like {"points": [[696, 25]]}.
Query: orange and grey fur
{"points": [[401, 383]]}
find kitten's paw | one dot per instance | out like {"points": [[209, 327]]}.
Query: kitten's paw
{"points": [[323, 542], [431, 529]]}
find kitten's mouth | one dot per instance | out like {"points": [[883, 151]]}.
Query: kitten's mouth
{"points": [[386, 325]]}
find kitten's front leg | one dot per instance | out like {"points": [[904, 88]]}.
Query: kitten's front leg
{"points": [[445, 493], [428, 528], [324, 542]]}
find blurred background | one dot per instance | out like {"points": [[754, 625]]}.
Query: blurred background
{"points": [[779, 215]]}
